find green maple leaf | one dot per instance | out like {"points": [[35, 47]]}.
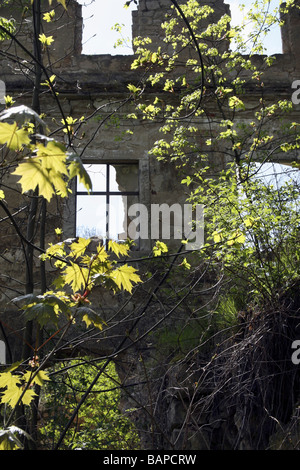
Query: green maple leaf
{"points": [[12, 395], [76, 276], [90, 317], [7, 379], [49, 16], [125, 276], [79, 247], [33, 174], [60, 184], [101, 253], [53, 157], [159, 248], [46, 171], [42, 312], [14, 137], [46, 40], [76, 168], [37, 379], [118, 248], [44, 308], [41, 172]]}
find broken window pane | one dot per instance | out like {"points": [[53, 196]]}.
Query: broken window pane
{"points": [[103, 212], [97, 174], [123, 178]]}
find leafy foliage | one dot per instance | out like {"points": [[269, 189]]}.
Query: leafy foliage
{"points": [[100, 424], [45, 168], [249, 224], [9, 25], [14, 137]]}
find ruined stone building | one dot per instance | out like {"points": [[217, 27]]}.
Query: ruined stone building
{"points": [[124, 171]]}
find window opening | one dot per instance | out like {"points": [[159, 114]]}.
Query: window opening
{"points": [[103, 212], [272, 40]]}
